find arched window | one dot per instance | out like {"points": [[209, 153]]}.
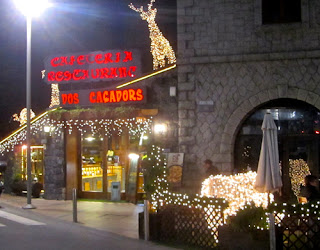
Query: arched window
{"points": [[298, 134]]}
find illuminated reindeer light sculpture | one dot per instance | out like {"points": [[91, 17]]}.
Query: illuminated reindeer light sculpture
{"points": [[23, 116], [160, 46]]}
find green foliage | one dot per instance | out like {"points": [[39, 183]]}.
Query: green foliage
{"points": [[97, 111], [249, 218], [252, 217], [16, 160], [309, 208], [152, 169], [57, 114], [17, 184], [157, 186]]}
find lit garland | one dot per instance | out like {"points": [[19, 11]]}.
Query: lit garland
{"points": [[160, 46], [22, 118], [103, 126], [55, 100], [305, 211], [249, 217], [310, 209], [237, 189], [298, 170], [280, 211], [162, 197]]}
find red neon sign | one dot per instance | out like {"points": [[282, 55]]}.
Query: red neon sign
{"points": [[98, 58], [83, 74], [116, 96], [92, 66], [102, 96]]}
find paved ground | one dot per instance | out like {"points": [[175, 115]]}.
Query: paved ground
{"points": [[118, 218]]}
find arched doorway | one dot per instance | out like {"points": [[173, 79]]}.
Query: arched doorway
{"points": [[298, 134]]}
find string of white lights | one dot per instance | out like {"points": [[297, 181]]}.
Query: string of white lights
{"points": [[107, 127]]}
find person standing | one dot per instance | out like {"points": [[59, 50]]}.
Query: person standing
{"points": [[311, 191], [209, 169]]}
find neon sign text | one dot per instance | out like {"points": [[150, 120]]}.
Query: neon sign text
{"points": [[91, 59], [100, 96], [116, 96], [83, 74], [93, 66]]}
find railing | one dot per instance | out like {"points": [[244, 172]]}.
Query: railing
{"points": [[297, 232], [186, 226], [197, 227]]}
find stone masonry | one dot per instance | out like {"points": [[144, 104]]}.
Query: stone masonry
{"points": [[54, 168], [227, 58]]}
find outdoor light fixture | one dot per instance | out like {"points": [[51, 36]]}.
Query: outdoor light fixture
{"points": [[30, 8], [46, 129], [90, 138], [160, 128], [142, 138], [133, 156]]}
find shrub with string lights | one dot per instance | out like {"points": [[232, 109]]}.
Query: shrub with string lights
{"points": [[161, 194], [252, 217], [298, 170]]}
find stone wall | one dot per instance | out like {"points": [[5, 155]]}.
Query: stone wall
{"points": [[232, 64], [54, 168], [231, 27]]}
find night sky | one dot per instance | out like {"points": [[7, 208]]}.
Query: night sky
{"points": [[69, 26]]}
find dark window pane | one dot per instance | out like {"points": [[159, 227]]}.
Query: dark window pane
{"points": [[281, 11]]}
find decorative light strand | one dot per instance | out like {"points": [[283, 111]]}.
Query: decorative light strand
{"points": [[237, 189], [55, 100], [298, 170], [107, 127], [212, 207]]}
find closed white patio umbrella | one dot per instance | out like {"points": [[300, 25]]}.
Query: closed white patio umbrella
{"points": [[268, 177], [268, 174]]}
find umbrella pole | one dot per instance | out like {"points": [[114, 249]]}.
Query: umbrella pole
{"points": [[272, 230]]}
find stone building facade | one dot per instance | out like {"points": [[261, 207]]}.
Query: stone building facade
{"points": [[230, 63]]}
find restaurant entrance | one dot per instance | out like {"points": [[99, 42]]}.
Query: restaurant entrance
{"points": [[103, 162], [107, 162]]}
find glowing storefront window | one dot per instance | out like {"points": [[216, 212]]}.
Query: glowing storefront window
{"points": [[36, 163], [92, 164]]}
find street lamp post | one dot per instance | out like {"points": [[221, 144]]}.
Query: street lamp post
{"points": [[30, 8], [28, 98]]}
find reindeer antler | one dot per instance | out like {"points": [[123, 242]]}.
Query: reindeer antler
{"points": [[141, 8], [150, 4], [15, 117], [136, 9]]}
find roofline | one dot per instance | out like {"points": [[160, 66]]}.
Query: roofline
{"points": [[119, 86], [147, 76], [25, 125]]}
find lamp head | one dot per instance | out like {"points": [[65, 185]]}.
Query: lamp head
{"points": [[32, 8]]}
